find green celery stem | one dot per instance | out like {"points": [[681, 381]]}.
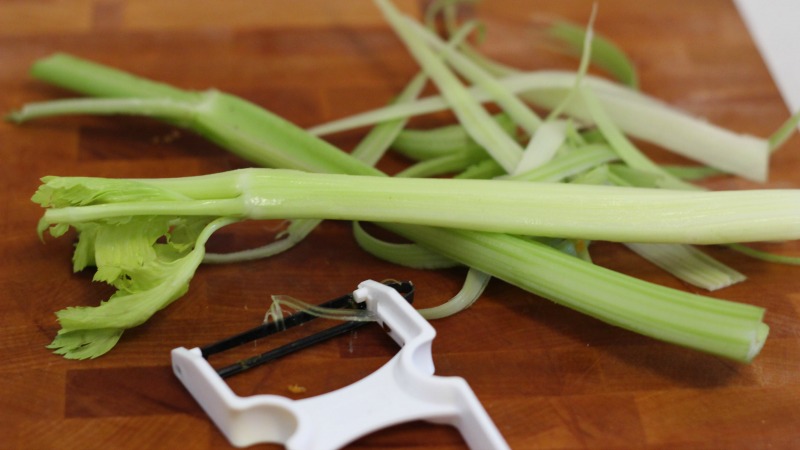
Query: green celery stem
{"points": [[229, 121], [560, 210], [732, 330]]}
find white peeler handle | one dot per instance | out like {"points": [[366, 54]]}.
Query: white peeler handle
{"points": [[403, 390]]}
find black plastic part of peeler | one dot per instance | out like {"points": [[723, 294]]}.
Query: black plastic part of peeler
{"points": [[405, 288]]}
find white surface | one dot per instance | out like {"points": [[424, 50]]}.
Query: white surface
{"points": [[775, 28], [403, 390]]}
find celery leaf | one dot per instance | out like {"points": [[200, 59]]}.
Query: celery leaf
{"points": [[149, 259]]}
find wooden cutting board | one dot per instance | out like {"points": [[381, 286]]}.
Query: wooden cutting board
{"points": [[549, 377]]}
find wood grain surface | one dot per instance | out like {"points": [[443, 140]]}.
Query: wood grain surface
{"points": [[548, 376]]}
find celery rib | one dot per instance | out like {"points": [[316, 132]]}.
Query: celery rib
{"points": [[539, 209], [718, 327]]}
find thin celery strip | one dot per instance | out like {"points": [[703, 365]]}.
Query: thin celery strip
{"points": [[553, 133], [409, 255], [469, 112], [474, 285], [423, 144], [447, 8], [380, 138], [692, 172], [295, 232], [645, 118], [605, 53], [521, 113], [569, 164], [624, 175], [598, 175], [538, 209], [583, 66], [372, 147], [689, 264], [542, 147], [782, 134], [766, 256], [442, 165], [275, 312], [488, 168], [624, 148]]}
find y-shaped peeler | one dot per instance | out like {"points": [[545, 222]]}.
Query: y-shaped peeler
{"points": [[403, 390]]}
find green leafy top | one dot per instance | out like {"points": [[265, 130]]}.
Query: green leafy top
{"points": [[148, 259]]}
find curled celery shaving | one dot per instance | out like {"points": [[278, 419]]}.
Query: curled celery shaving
{"points": [[766, 256], [279, 302], [605, 53], [474, 285], [633, 112], [409, 255]]}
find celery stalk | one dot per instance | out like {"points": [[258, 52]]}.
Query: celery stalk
{"points": [[563, 210], [231, 122], [719, 327]]}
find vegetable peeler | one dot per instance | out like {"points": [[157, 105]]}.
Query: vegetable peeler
{"points": [[403, 390]]}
